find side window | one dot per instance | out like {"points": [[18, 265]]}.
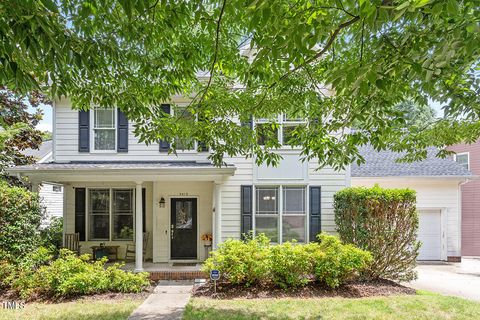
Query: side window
{"points": [[104, 129], [463, 159]]}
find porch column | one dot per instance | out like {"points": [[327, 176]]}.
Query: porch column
{"points": [[138, 228], [218, 215]]}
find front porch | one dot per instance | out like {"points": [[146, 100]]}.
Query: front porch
{"points": [[115, 205]]}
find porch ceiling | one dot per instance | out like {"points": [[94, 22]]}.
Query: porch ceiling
{"points": [[123, 171]]}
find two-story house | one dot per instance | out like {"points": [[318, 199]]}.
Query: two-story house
{"points": [[116, 189]]}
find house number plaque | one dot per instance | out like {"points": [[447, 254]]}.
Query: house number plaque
{"points": [[184, 193]]}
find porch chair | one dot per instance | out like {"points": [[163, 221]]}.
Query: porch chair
{"points": [[72, 242], [130, 250]]}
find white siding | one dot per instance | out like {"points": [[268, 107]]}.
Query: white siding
{"points": [[66, 142], [66, 149], [51, 200], [230, 194], [431, 194]]}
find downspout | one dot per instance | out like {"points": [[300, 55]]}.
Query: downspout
{"points": [[460, 202]]}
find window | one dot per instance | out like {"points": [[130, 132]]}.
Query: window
{"points": [[107, 205], [266, 215], [57, 188], [122, 214], [463, 160], [184, 144], [104, 129], [289, 221], [285, 133], [99, 216]]}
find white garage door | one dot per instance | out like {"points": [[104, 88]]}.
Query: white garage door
{"points": [[430, 234]]}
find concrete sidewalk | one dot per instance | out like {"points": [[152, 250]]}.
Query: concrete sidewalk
{"points": [[453, 279], [167, 302]]}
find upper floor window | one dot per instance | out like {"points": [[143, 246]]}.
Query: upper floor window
{"points": [[463, 159], [284, 133], [104, 129], [185, 144]]}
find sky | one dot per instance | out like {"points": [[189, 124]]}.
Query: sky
{"points": [[46, 123]]}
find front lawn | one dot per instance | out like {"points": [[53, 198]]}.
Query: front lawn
{"points": [[422, 306], [82, 309]]}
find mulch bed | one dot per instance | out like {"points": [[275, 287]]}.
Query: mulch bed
{"points": [[358, 289], [11, 296]]}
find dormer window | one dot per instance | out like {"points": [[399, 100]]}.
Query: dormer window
{"points": [[104, 129]]}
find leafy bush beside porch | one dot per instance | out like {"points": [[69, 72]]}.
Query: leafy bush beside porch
{"points": [[288, 265], [68, 275], [383, 222]]}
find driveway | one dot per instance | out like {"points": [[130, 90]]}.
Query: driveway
{"points": [[454, 279]]}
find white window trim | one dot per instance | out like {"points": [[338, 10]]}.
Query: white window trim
{"points": [[282, 121], [110, 214], [92, 131], [195, 143], [280, 214], [462, 154]]}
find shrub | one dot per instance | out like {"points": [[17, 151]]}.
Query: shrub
{"points": [[241, 262], [383, 222], [20, 217], [292, 264], [336, 262], [51, 236], [70, 275], [288, 265]]}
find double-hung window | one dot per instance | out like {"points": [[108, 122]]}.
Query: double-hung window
{"points": [[463, 160], [104, 129], [184, 144], [280, 213], [284, 132], [110, 214]]}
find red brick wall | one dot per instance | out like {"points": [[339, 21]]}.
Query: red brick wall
{"points": [[470, 202]]}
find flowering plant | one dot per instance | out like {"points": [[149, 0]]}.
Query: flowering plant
{"points": [[206, 237]]}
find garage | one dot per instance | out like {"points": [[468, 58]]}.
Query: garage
{"points": [[430, 234]]}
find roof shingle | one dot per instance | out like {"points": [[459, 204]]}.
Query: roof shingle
{"points": [[383, 164]]}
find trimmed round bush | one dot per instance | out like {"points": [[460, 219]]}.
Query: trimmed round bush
{"points": [[383, 222]]}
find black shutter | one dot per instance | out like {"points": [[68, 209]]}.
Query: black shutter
{"points": [[122, 132], [80, 211], [246, 209], [202, 147], [165, 144], [248, 123], [144, 209], [315, 212], [84, 131]]}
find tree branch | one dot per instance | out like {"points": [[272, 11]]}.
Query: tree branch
{"points": [[329, 43], [215, 55]]}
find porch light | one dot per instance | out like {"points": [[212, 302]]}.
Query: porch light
{"points": [[162, 202]]}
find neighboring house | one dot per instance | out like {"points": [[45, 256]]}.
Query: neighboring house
{"points": [[115, 188], [437, 183], [51, 194], [468, 155]]}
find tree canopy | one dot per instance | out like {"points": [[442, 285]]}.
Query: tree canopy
{"points": [[333, 62], [17, 129]]}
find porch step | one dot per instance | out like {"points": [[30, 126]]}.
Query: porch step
{"points": [[176, 275]]}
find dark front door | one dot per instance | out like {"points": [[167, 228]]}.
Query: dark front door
{"points": [[183, 228]]}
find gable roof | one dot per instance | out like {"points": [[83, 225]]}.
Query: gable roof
{"points": [[43, 151], [383, 164]]}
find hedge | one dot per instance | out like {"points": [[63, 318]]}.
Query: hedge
{"points": [[383, 222]]}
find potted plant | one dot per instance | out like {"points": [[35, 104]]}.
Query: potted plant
{"points": [[207, 238]]}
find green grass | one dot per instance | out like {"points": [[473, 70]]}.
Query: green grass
{"points": [[74, 310], [422, 306]]}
